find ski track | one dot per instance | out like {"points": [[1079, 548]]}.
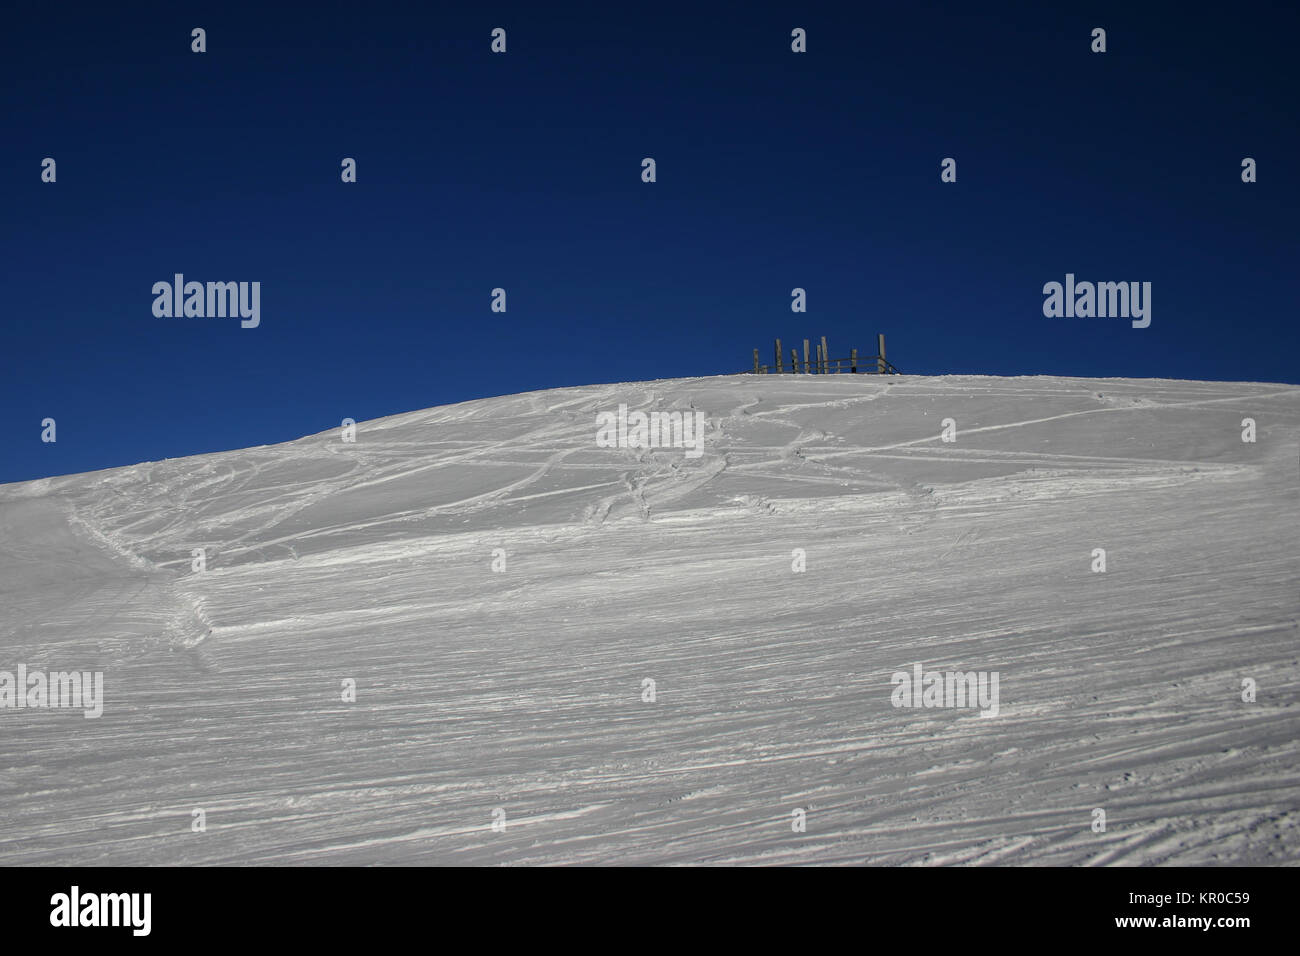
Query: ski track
{"points": [[521, 690]]}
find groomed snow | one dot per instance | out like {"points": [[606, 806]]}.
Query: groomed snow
{"points": [[522, 689]]}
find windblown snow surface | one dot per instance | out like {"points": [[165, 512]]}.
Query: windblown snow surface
{"points": [[522, 689]]}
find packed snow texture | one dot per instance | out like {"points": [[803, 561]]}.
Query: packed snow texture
{"points": [[523, 689]]}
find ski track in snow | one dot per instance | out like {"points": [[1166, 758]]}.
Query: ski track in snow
{"points": [[522, 689]]}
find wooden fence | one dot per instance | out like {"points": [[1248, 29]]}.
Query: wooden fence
{"points": [[820, 362]]}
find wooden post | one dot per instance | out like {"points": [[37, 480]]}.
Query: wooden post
{"points": [[805, 355], [794, 360], [755, 361], [826, 357], [778, 356], [853, 361], [880, 362]]}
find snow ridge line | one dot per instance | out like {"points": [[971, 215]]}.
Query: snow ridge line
{"points": [[189, 623], [78, 521]]}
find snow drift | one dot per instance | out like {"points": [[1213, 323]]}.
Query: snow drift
{"points": [[610, 653]]}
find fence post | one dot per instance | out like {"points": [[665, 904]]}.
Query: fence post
{"points": [[853, 361], [794, 360], [755, 361], [778, 356], [826, 357], [880, 361], [805, 355]]}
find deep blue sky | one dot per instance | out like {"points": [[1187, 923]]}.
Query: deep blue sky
{"points": [[476, 170]]}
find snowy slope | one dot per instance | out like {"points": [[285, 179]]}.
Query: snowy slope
{"points": [[522, 689]]}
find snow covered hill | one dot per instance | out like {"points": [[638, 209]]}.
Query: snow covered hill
{"points": [[503, 591]]}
